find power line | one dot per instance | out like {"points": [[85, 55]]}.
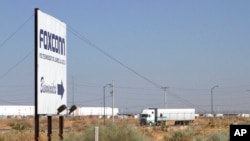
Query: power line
{"points": [[13, 67], [14, 33], [87, 41], [7, 39], [186, 101], [92, 100]]}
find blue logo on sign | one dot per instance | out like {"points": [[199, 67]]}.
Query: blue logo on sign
{"points": [[52, 42]]}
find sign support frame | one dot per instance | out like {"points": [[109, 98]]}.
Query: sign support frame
{"points": [[57, 45]]}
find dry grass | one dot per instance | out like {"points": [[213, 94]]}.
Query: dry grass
{"points": [[22, 129]]}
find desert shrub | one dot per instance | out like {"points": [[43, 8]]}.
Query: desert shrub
{"points": [[20, 125], [218, 136], [183, 135], [198, 138], [167, 137], [110, 133], [164, 128], [78, 125], [16, 136], [73, 136], [247, 121], [211, 123]]}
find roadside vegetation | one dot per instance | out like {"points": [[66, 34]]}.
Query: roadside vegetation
{"points": [[203, 129]]}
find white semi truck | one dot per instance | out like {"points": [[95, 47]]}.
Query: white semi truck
{"points": [[155, 116]]}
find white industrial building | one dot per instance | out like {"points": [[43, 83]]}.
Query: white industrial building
{"points": [[20, 110], [16, 110], [95, 111]]}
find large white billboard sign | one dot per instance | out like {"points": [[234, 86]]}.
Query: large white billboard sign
{"points": [[51, 63]]}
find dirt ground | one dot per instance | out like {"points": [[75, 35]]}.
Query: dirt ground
{"points": [[201, 126]]}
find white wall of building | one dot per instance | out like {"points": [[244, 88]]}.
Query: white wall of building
{"points": [[95, 111], [16, 110]]}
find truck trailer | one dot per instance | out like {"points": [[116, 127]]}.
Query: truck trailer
{"points": [[155, 116]]}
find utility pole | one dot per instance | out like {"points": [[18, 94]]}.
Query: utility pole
{"points": [[165, 96], [73, 90], [73, 93], [212, 103], [104, 106], [113, 100]]}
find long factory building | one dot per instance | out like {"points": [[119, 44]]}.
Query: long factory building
{"points": [[23, 111]]}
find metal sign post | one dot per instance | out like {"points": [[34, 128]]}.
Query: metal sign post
{"points": [[49, 127], [61, 127]]}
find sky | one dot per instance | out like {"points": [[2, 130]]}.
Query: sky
{"points": [[187, 46]]}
